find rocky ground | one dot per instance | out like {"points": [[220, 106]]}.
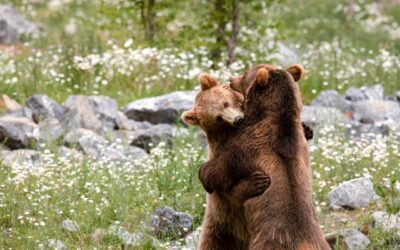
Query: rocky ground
{"points": [[95, 127]]}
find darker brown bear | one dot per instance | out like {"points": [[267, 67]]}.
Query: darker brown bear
{"points": [[271, 139]]}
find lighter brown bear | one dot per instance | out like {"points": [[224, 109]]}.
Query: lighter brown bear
{"points": [[270, 139], [217, 111]]}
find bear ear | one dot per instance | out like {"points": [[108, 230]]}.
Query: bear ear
{"points": [[190, 118], [262, 76], [206, 81], [235, 83], [297, 71]]}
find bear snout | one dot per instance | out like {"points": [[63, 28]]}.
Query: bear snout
{"points": [[237, 121]]}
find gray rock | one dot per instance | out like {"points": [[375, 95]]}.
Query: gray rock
{"points": [[18, 132], [130, 239], [124, 123], [192, 239], [23, 112], [97, 113], [87, 141], [50, 130], [386, 221], [97, 147], [146, 138], [160, 109], [70, 226], [13, 26], [373, 111], [332, 99], [165, 222], [44, 107], [68, 152], [321, 116], [356, 193], [357, 129], [24, 157], [355, 240], [374, 92], [56, 245]]}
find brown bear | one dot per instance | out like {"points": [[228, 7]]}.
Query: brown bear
{"points": [[270, 139], [217, 111]]}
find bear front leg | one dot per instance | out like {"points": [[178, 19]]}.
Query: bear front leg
{"points": [[250, 187], [212, 176], [221, 173]]}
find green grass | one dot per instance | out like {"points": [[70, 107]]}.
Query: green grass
{"points": [[99, 194]]}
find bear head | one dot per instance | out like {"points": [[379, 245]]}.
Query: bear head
{"points": [[217, 106]]}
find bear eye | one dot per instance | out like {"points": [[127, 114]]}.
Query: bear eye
{"points": [[226, 104]]}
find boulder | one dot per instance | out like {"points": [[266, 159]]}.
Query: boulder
{"points": [[23, 112], [131, 239], [165, 222], [321, 116], [332, 99], [97, 113], [356, 193], [22, 157], [13, 26], [386, 222], [50, 130], [146, 138], [97, 147], [192, 239], [18, 132], [355, 240], [160, 109], [374, 111], [70, 226], [357, 129], [56, 245], [44, 107], [124, 123], [64, 152], [374, 92]]}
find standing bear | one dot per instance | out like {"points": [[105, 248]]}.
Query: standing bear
{"points": [[217, 111], [270, 139]]}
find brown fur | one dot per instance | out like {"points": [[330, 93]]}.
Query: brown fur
{"points": [[216, 108], [271, 139]]}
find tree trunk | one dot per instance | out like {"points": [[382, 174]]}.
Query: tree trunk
{"points": [[151, 26], [220, 31], [235, 31], [143, 16]]}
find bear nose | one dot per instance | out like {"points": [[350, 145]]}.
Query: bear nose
{"points": [[237, 121]]}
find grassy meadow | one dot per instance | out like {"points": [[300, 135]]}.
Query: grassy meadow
{"points": [[99, 48]]}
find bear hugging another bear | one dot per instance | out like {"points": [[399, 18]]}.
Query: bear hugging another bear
{"points": [[269, 142]]}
